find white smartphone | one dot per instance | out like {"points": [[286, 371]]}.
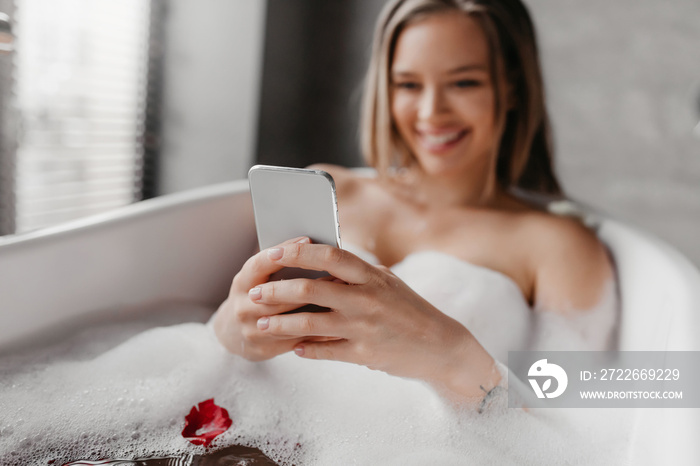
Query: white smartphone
{"points": [[292, 202]]}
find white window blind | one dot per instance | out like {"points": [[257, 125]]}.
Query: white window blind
{"points": [[80, 89]]}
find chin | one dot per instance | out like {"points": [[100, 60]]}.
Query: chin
{"points": [[440, 168]]}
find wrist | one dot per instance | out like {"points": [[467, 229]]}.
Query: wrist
{"points": [[470, 372]]}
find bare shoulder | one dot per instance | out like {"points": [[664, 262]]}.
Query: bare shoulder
{"points": [[570, 266]]}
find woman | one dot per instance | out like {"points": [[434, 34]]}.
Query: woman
{"points": [[454, 119]]}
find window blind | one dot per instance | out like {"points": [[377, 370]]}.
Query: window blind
{"points": [[81, 69]]}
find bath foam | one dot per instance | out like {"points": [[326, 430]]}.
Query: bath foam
{"points": [[576, 329], [85, 338], [491, 305], [130, 401]]}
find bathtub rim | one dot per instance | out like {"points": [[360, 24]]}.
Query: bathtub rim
{"points": [[135, 210], [137, 270], [618, 236]]}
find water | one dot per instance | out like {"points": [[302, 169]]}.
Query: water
{"points": [[127, 397], [130, 402], [236, 455]]}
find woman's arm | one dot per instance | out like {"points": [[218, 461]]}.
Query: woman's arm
{"points": [[376, 320], [571, 267]]}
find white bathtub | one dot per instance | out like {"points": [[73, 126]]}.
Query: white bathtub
{"points": [[185, 249]]}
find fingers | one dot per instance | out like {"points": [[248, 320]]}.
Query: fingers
{"points": [[315, 324], [257, 306], [259, 327], [322, 339], [259, 267], [255, 349], [338, 350], [339, 263], [236, 329], [299, 291]]}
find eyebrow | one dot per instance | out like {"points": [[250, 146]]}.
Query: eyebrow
{"points": [[459, 69]]}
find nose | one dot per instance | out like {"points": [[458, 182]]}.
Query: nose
{"points": [[432, 103]]}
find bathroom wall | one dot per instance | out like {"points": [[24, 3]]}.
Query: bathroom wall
{"points": [[623, 80], [624, 88], [213, 59]]}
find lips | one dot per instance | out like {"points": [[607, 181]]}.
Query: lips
{"points": [[440, 141]]}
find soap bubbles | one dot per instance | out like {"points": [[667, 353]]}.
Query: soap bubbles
{"points": [[130, 401]]}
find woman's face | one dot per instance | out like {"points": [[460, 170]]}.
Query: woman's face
{"points": [[442, 98]]}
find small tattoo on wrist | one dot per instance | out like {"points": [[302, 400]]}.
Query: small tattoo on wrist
{"points": [[490, 394]]}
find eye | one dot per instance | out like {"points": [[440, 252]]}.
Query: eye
{"points": [[407, 85], [467, 83]]}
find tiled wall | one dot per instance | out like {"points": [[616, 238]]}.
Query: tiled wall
{"points": [[623, 82]]}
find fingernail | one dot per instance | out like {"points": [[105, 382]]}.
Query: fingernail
{"points": [[255, 293], [263, 323], [275, 253], [305, 239], [299, 350]]}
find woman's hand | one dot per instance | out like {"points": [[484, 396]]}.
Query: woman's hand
{"points": [[376, 320], [235, 323]]}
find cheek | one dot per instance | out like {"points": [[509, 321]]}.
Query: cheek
{"points": [[402, 112], [478, 107]]}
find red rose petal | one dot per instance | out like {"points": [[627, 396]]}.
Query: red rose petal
{"points": [[206, 423]]}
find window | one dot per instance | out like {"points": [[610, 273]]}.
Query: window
{"points": [[80, 81]]}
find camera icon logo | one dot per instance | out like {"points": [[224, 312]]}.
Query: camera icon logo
{"points": [[542, 369]]}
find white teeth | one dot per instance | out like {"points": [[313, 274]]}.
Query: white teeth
{"points": [[435, 140]]}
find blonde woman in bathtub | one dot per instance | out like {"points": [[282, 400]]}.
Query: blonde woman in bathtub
{"points": [[453, 119]]}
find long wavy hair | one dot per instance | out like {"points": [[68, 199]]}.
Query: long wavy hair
{"points": [[524, 149]]}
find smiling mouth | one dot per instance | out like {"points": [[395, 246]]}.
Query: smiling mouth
{"points": [[441, 142]]}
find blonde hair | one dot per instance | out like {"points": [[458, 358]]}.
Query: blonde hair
{"points": [[524, 151]]}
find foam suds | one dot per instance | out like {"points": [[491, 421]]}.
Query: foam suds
{"points": [[592, 329], [130, 401]]}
